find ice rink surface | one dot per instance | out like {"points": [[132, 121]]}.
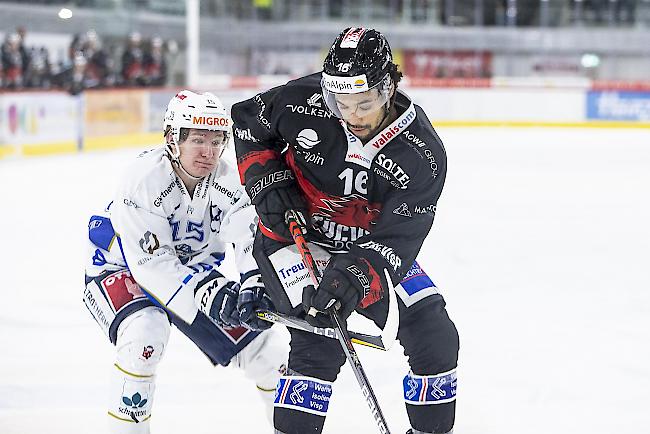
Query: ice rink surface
{"points": [[541, 246]]}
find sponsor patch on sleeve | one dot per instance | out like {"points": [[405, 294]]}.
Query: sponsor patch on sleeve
{"points": [[415, 285]]}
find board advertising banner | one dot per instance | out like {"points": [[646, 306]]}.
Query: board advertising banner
{"points": [[618, 105]]}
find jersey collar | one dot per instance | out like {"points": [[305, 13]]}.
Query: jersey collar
{"points": [[361, 154]]}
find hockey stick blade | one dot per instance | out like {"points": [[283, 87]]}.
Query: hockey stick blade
{"points": [[300, 324]]}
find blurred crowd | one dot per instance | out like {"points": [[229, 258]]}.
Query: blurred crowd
{"points": [[613, 13], [88, 65]]}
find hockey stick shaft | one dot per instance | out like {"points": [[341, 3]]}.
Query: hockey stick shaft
{"points": [[297, 231], [300, 324]]}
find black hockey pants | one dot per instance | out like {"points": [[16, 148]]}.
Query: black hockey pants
{"points": [[426, 333]]}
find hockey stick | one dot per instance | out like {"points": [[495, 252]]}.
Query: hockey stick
{"points": [[298, 233], [300, 324]]}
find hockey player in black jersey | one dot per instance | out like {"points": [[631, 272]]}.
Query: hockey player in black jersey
{"points": [[363, 165]]}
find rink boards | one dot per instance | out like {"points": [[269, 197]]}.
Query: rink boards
{"points": [[52, 122]]}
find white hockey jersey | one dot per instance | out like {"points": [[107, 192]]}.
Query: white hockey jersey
{"points": [[169, 240]]}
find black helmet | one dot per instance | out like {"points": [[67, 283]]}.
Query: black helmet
{"points": [[359, 51], [358, 61]]}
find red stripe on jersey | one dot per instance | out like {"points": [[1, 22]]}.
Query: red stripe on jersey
{"points": [[352, 210]]}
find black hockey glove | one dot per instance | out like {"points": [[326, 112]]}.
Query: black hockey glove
{"points": [[273, 201], [344, 284], [216, 297], [252, 297]]}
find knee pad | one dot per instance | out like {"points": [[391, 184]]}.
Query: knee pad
{"points": [[429, 337], [141, 341], [301, 403]]}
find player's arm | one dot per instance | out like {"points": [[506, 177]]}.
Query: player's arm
{"points": [[269, 182], [238, 227], [405, 221], [361, 276], [145, 238]]}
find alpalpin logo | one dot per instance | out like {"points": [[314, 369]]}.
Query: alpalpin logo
{"points": [[307, 138]]}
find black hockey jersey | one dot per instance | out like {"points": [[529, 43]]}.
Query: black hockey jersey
{"points": [[376, 200]]}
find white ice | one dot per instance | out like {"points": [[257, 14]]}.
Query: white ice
{"points": [[541, 246]]}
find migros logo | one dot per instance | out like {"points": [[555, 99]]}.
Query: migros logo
{"points": [[211, 121]]}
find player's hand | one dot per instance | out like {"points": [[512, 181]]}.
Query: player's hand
{"points": [[273, 205], [342, 287], [216, 297], [253, 297]]}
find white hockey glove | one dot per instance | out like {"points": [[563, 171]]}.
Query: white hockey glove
{"points": [[216, 297], [252, 297]]}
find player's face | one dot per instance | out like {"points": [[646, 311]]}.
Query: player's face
{"points": [[201, 150], [362, 112]]}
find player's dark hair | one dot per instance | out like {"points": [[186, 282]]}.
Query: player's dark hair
{"points": [[395, 74]]}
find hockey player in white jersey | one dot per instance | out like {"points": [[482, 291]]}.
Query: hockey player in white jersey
{"points": [[155, 256]]}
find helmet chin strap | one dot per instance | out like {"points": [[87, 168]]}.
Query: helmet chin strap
{"points": [[175, 157], [386, 112], [178, 164]]}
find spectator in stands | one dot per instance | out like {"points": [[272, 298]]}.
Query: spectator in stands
{"points": [[38, 74], [132, 61], [87, 64], [76, 45], [74, 78], [154, 63], [100, 66], [12, 62], [24, 52]]}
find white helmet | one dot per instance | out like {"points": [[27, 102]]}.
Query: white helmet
{"points": [[202, 111]]}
